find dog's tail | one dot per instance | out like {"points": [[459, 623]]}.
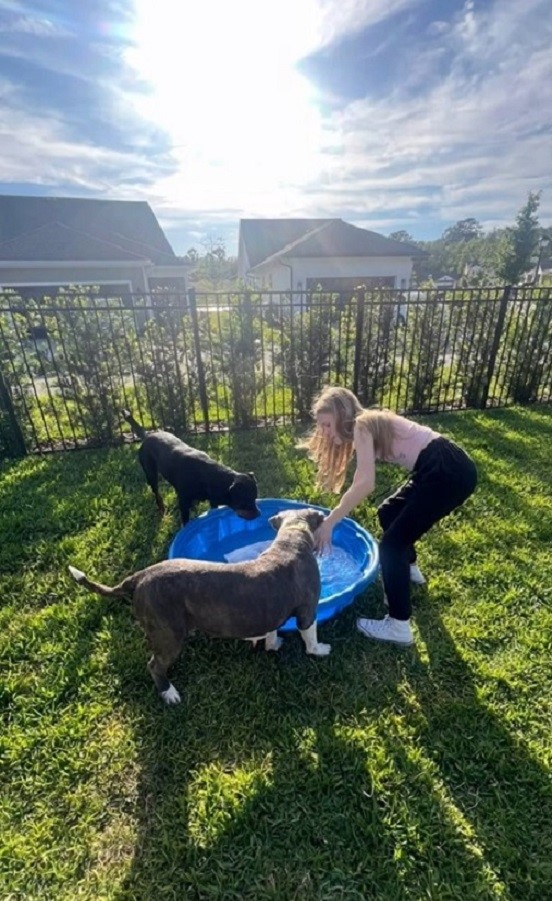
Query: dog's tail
{"points": [[138, 429], [126, 587]]}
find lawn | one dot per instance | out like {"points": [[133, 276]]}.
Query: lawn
{"points": [[375, 773]]}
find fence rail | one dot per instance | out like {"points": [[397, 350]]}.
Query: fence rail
{"points": [[200, 362]]}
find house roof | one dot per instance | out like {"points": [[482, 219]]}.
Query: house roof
{"points": [[269, 239], [72, 228], [59, 242], [265, 237]]}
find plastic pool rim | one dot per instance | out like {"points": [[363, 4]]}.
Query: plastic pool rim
{"points": [[347, 529]]}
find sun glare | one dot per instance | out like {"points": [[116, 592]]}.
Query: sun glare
{"points": [[241, 119]]}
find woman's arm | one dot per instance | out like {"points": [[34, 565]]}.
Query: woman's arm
{"points": [[362, 485]]}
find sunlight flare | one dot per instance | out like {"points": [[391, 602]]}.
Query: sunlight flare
{"points": [[240, 117]]}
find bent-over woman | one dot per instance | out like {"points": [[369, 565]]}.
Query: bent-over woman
{"points": [[442, 476]]}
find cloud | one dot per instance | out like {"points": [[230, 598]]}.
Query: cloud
{"points": [[467, 25], [207, 123], [473, 144], [39, 145], [346, 17], [438, 27], [37, 27]]}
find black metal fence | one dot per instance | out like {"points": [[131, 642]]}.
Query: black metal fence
{"points": [[190, 363]]}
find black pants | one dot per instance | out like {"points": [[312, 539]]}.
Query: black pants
{"points": [[443, 477]]}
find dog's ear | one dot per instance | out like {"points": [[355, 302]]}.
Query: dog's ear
{"points": [[243, 478], [315, 518], [276, 521]]}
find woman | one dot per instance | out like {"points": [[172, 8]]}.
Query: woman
{"points": [[441, 477]]}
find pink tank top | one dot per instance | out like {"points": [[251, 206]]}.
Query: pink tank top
{"points": [[410, 440]]}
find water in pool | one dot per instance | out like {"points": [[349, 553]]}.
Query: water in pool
{"points": [[338, 569]]}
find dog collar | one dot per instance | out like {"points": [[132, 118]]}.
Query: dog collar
{"points": [[298, 527]]}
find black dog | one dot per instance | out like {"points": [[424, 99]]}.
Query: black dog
{"points": [[194, 475]]}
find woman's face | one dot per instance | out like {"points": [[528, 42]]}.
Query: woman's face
{"points": [[326, 425]]}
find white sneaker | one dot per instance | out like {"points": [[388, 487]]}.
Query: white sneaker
{"points": [[397, 631], [416, 576]]}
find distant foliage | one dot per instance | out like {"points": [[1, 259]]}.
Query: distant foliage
{"points": [[212, 269], [474, 327], [403, 236], [425, 351], [473, 258], [473, 262], [464, 230], [312, 329], [522, 241], [243, 357], [528, 339], [375, 363], [164, 366]]}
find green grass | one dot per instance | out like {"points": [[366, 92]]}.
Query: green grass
{"points": [[375, 773]]}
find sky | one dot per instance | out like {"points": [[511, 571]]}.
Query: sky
{"points": [[391, 114]]}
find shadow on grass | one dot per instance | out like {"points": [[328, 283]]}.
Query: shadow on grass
{"points": [[271, 455], [492, 778], [280, 776], [60, 496], [516, 435], [49, 508], [511, 450]]}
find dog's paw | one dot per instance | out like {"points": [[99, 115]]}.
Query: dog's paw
{"points": [[273, 642], [320, 650], [171, 696]]}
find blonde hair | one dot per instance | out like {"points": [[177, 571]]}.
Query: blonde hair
{"points": [[333, 459]]}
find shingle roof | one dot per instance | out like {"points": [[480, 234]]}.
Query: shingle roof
{"points": [[316, 238], [265, 237], [59, 242], [71, 228]]}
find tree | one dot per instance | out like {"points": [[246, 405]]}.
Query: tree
{"points": [[214, 270], [403, 236], [191, 256], [521, 241], [463, 230]]}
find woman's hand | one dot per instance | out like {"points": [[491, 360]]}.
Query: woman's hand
{"points": [[323, 536]]}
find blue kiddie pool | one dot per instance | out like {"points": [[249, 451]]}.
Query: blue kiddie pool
{"points": [[221, 536]]}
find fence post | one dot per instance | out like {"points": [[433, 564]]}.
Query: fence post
{"points": [[200, 369], [494, 348], [361, 300], [6, 404]]}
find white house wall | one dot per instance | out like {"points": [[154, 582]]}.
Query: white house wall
{"points": [[243, 259], [65, 275], [276, 276]]}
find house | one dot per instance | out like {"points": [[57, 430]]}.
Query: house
{"points": [[302, 254], [51, 242], [446, 282], [544, 270]]}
